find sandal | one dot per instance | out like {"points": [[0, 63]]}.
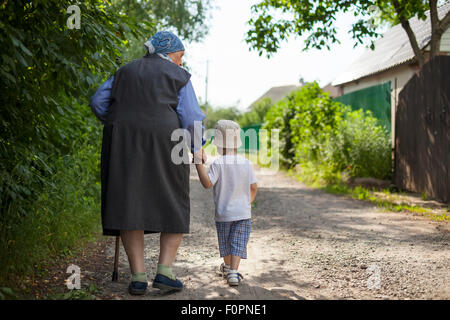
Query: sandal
{"points": [[223, 270], [234, 278]]}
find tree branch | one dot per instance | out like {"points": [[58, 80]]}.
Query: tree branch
{"points": [[435, 43], [434, 13], [412, 37], [413, 40], [445, 23]]}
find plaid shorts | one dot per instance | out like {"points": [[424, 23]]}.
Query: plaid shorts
{"points": [[233, 237]]}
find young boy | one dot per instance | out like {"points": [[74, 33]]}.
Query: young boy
{"points": [[234, 190]]}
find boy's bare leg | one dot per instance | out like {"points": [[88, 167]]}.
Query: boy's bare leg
{"points": [[227, 260], [235, 260], [233, 276]]}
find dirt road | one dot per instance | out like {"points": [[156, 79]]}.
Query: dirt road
{"points": [[305, 244]]}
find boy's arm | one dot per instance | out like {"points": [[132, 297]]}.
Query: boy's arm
{"points": [[253, 190], [199, 159], [203, 175]]}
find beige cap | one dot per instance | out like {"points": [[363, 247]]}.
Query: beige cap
{"points": [[227, 134]]}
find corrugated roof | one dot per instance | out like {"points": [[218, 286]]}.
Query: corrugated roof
{"points": [[391, 50]]}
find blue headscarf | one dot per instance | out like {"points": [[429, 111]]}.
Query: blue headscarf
{"points": [[164, 42]]}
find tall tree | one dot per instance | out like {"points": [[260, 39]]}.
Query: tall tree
{"points": [[188, 18], [316, 18]]}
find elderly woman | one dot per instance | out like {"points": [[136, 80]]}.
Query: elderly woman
{"points": [[143, 190]]}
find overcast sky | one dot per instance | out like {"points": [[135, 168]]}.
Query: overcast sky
{"points": [[237, 76]]}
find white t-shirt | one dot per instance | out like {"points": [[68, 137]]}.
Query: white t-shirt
{"points": [[232, 176]]}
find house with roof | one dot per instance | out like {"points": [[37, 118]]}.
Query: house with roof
{"points": [[332, 90], [376, 78], [276, 94]]}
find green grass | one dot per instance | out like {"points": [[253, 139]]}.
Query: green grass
{"points": [[80, 294], [324, 181], [424, 196]]}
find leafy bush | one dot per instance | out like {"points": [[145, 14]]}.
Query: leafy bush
{"points": [[215, 114], [306, 119], [326, 137], [65, 213], [47, 70], [256, 113], [60, 206], [278, 117], [315, 120], [361, 146]]}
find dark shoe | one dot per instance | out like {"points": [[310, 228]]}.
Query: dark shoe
{"points": [[167, 284], [137, 288]]}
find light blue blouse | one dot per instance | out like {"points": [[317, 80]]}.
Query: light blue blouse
{"points": [[188, 109]]}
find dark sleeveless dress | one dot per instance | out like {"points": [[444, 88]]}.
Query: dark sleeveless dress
{"points": [[142, 189]]}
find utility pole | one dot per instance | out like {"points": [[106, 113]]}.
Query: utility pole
{"points": [[206, 82]]}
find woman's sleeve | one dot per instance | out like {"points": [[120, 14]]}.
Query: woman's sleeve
{"points": [[101, 100], [190, 114]]}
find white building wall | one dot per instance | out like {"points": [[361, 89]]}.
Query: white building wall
{"points": [[445, 41]]}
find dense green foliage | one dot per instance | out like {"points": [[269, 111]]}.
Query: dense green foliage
{"points": [[215, 114], [256, 114], [187, 18], [360, 145], [46, 69], [49, 139], [320, 134], [63, 212]]}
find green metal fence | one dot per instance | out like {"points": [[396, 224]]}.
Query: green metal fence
{"points": [[377, 99], [250, 138]]}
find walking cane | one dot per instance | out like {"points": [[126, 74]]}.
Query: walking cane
{"points": [[115, 274]]}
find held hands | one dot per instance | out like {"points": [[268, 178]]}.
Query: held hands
{"points": [[199, 157]]}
